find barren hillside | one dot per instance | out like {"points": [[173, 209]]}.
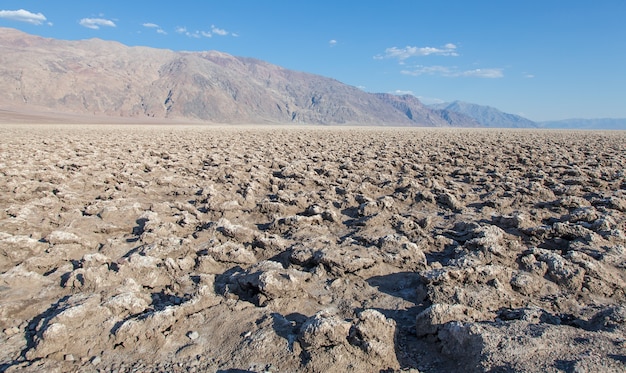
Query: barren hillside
{"points": [[97, 77]]}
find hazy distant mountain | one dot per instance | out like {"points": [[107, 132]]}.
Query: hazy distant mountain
{"points": [[418, 112], [487, 116], [99, 77], [596, 124]]}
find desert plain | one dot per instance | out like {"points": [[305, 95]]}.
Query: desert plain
{"points": [[141, 248]]}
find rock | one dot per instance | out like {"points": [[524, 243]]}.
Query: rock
{"points": [[267, 280], [55, 332], [304, 255], [434, 317], [562, 271], [604, 224], [488, 239], [68, 330], [345, 259], [11, 331], [450, 201], [402, 253], [517, 220], [322, 330], [611, 318], [273, 208], [533, 315], [231, 252], [369, 207], [462, 342], [526, 283], [94, 260], [313, 210], [19, 275], [572, 232], [573, 202], [282, 283], [426, 196], [127, 303], [62, 237], [529, 263], [585, 214], [237, 232], [375, 334], [147, 330], [615, 203], [193, 335]]}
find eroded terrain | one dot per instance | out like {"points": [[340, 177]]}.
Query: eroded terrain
{"points": [[206, 248]]}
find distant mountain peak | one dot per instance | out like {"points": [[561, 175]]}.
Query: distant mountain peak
{"points": [[487, 116]]}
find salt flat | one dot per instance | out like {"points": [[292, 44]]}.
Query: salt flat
{"points": [[316, 249]]}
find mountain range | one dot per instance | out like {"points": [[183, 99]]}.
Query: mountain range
{"points": [[487, 116], [106, 79], [491, 117]]}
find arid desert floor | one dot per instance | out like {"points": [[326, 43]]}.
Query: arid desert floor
{"points": [[147, 248]]}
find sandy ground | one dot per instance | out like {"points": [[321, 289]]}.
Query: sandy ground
{"points": [[282, 249]]}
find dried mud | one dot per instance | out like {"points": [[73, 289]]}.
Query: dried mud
{"points": [[206, 248]]}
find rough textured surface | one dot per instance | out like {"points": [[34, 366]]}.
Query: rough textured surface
{"points": [[208, 248]]}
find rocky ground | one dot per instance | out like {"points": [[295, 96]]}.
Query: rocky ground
{"points": [[281, 249]]}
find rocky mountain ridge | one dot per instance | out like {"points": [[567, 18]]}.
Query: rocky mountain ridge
{"points": [[48, 80], [103, 78], [487, 116]]}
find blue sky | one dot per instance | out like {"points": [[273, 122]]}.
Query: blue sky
{"points": [[543, 59]]}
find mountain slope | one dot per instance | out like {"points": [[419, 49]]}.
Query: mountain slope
{"points": [[99, 77], [487, 116], [418, 112]]}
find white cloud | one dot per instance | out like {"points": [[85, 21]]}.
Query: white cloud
{"points": [[483, 73], [428, 70], [22, 15], [454, 72], [400, 92], [184, 31], [218, 31], [206, 34], [95, 23], [332, 42], [158, 28], [407, 52]]}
